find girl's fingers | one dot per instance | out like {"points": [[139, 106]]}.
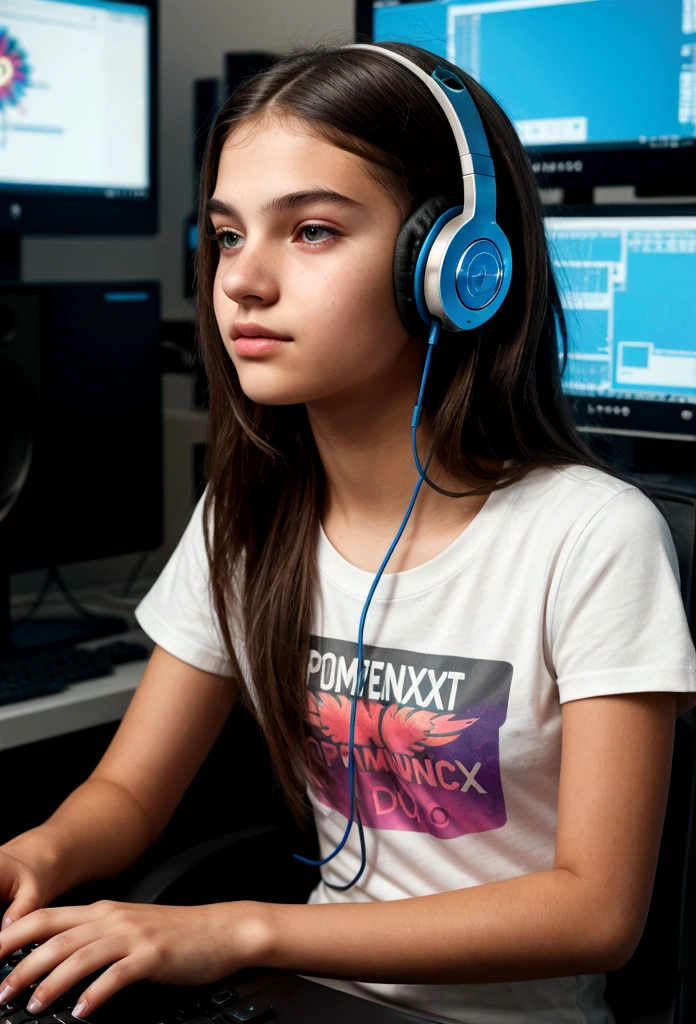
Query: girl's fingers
{"points": [[123, 972], [39, 925], [25, 902], [21, 896], [49, 956], [71, 971]]}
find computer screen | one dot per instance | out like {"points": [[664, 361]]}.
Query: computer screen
{"points": [[76, 115], [627, 289], [575, 76]]}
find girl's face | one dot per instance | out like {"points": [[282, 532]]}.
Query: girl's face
{"points": [[303, 292]]}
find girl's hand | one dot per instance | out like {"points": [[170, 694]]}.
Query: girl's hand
{"points": [[25, 884], [169, 945]]}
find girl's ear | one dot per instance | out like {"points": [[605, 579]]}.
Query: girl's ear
{"points": [[408, 245]]}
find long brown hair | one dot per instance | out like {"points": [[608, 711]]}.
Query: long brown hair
{"points": [[501, 397]]}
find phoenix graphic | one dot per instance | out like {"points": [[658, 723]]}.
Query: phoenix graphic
{"points": [[402, 730]]}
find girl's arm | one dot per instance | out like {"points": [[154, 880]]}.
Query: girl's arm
{"points": [[583, 915], [110, 820]]}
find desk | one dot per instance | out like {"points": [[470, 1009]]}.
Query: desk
{"points": [[81, 706]]}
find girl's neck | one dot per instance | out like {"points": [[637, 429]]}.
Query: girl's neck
{"points": [[366, 454], [364, 442]]}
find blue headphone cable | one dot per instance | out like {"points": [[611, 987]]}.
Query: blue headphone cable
{"points": [[354, 817]]}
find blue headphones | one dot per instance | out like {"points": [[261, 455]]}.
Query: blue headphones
{"points": [[452, 264], [452, 269]]}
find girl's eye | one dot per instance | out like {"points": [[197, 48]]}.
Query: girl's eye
{"points": [[312, 233], [228, 239]]}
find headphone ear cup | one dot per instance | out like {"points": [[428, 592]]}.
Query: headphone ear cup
{"points": [[408, 246]]}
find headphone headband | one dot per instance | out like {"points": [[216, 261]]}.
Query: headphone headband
{"points": [[455, 264], [459, 109]]}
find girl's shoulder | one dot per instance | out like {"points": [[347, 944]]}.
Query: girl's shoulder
{"points": [[576, 491], [585, 483], [580, 507]]}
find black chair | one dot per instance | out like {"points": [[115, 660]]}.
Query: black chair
{"points": [[250, 864], [656, 986], [680, 512]]}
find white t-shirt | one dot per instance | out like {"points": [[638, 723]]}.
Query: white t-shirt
{"points": [[563, 587]]}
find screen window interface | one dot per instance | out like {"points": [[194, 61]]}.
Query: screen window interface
{"points": [[74, 102], [604, 71], [627, 289]]}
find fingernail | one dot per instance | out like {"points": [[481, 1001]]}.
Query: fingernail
{"points": [[34, 1005], [6, 923], [79, 1009], [5, 992]]}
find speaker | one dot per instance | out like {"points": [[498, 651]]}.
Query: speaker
{"points": [[80, 422]]}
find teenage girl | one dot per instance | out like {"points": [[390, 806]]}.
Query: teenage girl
{"points": [[525, 652]]}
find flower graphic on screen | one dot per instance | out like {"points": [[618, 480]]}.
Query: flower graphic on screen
{"points": [[14, 70]]}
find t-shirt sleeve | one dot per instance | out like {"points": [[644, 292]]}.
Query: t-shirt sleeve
{"points": [[177, 612], [618, 623]]}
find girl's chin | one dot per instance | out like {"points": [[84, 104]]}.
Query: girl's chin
{"points": [[268, 395], [286, 396]]}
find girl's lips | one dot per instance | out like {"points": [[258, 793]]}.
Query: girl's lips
{"points": [[247, 346]]}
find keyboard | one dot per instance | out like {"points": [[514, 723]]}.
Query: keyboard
{"points": [[39, 674], [249, 997]]}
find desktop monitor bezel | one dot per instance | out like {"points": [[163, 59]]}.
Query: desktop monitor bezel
{"points": [[662, 420], [652, 169], [57, 212]]}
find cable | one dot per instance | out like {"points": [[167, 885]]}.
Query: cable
{"points": [[354, 817], [70, 597], [53, 576], [422, 470]]}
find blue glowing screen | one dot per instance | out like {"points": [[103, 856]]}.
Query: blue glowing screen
{"points": [[628, 287], [569, 72]]}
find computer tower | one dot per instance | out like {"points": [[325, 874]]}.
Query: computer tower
{"points": [[81, 455]]}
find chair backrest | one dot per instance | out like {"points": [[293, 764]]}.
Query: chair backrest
{"points": [[686, 1008], [680, 512], [251, 864], [658, 984], [648, 986]]}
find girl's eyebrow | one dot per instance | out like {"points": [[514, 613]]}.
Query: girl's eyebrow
{"points": [[291, 201]]}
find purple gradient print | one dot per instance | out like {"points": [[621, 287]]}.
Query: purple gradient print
{"points": [[426, 743]]}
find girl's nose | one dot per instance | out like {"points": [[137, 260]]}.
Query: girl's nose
{"points": [[250, 278]]}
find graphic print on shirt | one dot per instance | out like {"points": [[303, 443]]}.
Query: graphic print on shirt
{"points": [[426, 744]]}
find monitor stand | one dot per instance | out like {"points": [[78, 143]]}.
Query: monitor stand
{"points": [[44, 634]]}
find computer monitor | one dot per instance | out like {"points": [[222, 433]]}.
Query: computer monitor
{"points": [[627, 288], [603, 92], [80, 453], [81, 441], [78, 116]]}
